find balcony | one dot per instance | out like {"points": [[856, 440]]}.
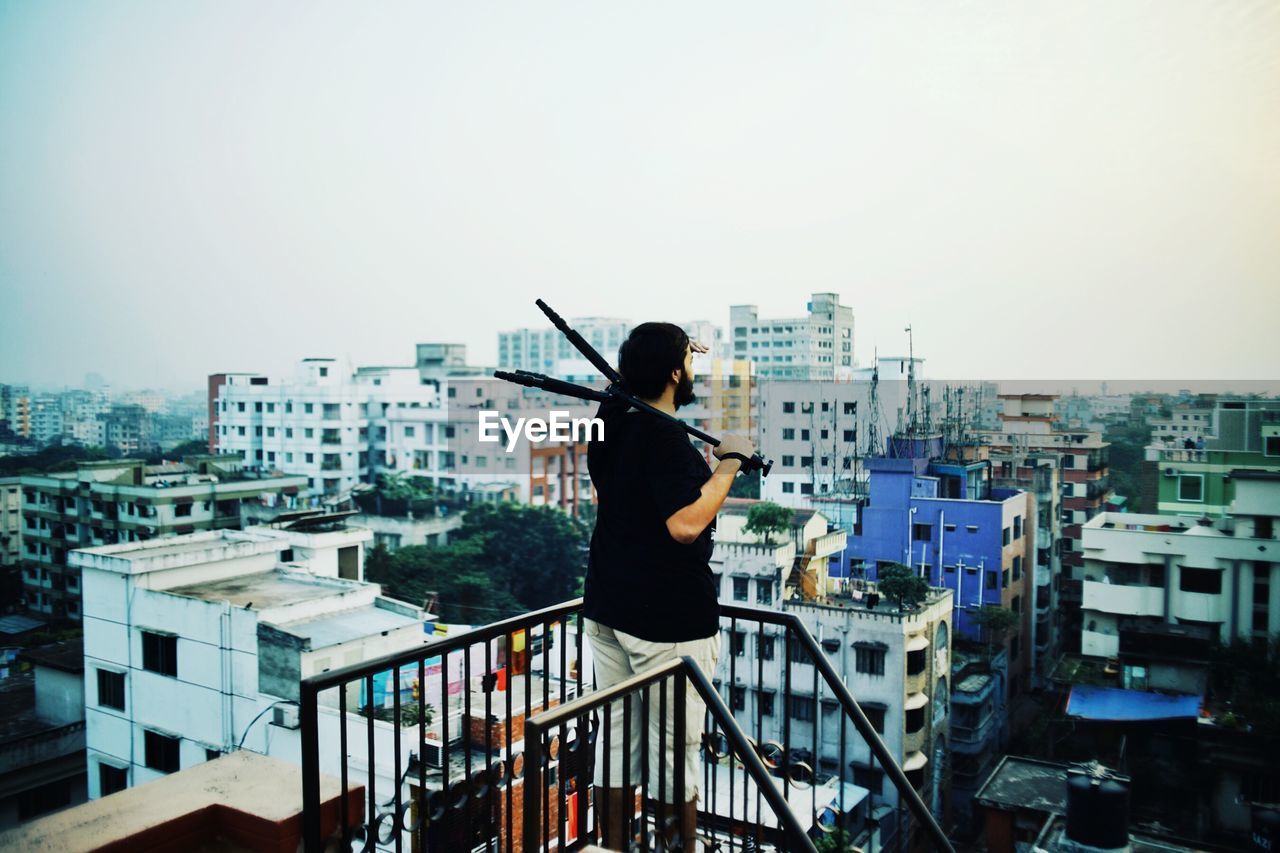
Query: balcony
{"points": [[1100, 644], [1123, 600], [524, 779], [1200, 607]]}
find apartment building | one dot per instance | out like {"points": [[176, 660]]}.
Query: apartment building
{"points": [[817, 345], [895, 663], [1027, 427], [105, 503], [1144, 573], [194, 646], [318, 424], [547, 351], [1197, 481]]}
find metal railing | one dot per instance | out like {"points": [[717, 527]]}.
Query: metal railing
{"points": [[550, 736], [447, 768], [457, 792]]}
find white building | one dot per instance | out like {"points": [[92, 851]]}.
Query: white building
{"points": [[895, 664], [318, 425], [816, 433], [816, 346], [195, 646], [1152, 569], [547, 351], [1191, 422]]}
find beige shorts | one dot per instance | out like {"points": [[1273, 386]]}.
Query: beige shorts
{"points": [[618, 656]]}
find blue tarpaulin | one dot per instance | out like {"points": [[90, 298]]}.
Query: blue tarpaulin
{"points": [[1112, 703]]}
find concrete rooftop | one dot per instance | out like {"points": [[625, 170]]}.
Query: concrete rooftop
{"points": [[265, 589]]}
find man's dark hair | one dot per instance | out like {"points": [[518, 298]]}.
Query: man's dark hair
{"points": [[648, 355]]}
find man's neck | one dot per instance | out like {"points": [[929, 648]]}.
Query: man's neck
{"points": [[665, 403]]}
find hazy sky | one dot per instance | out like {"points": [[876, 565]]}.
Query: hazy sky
{"points": [[1059, 189]]}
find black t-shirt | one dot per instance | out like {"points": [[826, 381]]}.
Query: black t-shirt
{"points": [[640, 580]]}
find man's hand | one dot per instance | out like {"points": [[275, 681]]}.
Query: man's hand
{"points": [[734, 444]]}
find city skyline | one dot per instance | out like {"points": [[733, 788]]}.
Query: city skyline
{"points": [[1081, 190]]}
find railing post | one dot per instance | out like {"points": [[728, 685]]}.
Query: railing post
{"points": [[532, 826], [310, 735]]}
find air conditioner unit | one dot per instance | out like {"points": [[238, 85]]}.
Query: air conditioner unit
{"points": [[433, 752], [285, 716], [1171, 472]]}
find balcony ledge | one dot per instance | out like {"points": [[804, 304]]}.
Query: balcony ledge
{"points": [[243, 798]]}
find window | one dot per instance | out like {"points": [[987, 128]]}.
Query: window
{"points": [[1200, 580], [764, 592], [804, 435], [160, 653], [737, 643], [993, 580], [802, 708], [765, 698], [1017, 568], [764, 647], [738, 698], [788, 434], [111, 689], [162, 752], [1017, 527], [1007, 534], [850, 408], [1191, 487], [921, 532], [112, 779], [806, 461], [868, 658], [788, 488], [308, 408], [408, 432], [949, 528], [788, 408], [1271, 445], [740, 589], [182, 510], [871, 778], [806, 488], [788, 461], [797, 653], [848, 435], [971, 528]]}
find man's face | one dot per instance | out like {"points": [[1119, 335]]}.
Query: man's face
{"points": [[684, 388]]}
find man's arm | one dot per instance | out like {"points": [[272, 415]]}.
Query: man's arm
{"points": [[687, 524]]}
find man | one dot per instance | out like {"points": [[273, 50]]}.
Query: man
{"points": [[650, 596]]}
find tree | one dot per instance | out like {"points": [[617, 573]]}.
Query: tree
{"points": [[904, 586], [835, 842], [768, 518], [539, 553], [996, 624], [503, 560]]}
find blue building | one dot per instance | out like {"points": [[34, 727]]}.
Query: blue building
{"points": [[947, 521], [979, 724]]}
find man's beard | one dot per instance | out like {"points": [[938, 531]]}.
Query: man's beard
{"points": [[684, 391]]}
